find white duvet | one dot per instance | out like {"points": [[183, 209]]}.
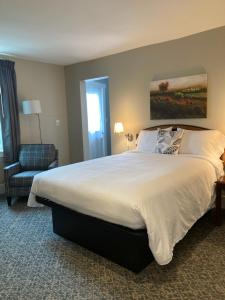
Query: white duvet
{"points": [[166, 194]]}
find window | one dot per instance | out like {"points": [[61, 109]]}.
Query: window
{"points": [[93, 112]]}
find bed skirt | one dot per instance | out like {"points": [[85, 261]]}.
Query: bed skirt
{"points": [[122, 245]]}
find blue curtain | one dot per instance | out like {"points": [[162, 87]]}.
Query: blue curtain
{"points": [[9, 111]]}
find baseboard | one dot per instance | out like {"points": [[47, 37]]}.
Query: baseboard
{"points": [[2, 188]]}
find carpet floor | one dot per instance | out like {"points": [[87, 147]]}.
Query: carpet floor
{"points": [[37, 264]]}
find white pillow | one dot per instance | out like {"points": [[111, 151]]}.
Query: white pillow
{"points": [[203, 142], [147, 139]]}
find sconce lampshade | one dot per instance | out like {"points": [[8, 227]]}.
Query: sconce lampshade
{"points": [[31, 107], [118, 127]]}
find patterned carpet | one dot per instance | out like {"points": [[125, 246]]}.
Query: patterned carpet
{"points": [[37, 264]]}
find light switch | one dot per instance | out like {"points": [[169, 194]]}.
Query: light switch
{"points": [[57, 122]]}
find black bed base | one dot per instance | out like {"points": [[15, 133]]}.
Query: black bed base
{"points": [[126, 247]]}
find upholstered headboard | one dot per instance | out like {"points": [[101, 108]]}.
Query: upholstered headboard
{"points": [[184, 126]]}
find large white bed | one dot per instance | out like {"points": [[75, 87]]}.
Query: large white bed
{"points": [[166, 194]]}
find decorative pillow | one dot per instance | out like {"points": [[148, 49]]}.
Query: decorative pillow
{"points": [[209, 143], [168, 142], [147, 139]]}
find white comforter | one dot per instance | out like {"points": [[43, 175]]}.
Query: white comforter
{"points": [[165, 193]]}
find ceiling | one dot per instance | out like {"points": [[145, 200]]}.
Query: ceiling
{"points": [[69, 31]]}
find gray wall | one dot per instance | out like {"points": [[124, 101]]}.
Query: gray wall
{"points": [[130, 75], [45, 82]]}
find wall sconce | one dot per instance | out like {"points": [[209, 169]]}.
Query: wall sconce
{"points": [[119, 129]]}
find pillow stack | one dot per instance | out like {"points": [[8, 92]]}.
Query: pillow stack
{"points": [[164, 141], [210, 143]]}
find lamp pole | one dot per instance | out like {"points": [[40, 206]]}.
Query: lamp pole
{"points": [[39, 123]]}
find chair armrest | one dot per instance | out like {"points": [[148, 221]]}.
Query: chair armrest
{"points": [[53, 165], [11, 170]]}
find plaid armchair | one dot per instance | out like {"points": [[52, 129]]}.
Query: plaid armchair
{"points": [[33, 159]]}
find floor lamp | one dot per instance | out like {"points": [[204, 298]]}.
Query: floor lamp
{"points": [[33, 107]]}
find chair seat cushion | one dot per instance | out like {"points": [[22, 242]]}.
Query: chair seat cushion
{"points": [[23, 179]]}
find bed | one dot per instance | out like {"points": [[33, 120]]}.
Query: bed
{"points": [[122, 206]]}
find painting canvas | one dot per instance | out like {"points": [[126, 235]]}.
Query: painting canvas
{"points": [[179, 98]]}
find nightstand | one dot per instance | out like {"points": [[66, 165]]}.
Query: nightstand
{"points": [[220, 185]]}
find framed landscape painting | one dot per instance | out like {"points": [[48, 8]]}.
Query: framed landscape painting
{"points": [[179, 98]]}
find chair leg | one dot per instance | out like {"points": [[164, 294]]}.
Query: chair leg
{"points": [[9, 200]]}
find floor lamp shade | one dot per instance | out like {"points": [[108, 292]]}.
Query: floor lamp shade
{"points": [[31, 107]]}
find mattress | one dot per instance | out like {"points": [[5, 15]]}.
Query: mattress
{"points": [[164, 193]]}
